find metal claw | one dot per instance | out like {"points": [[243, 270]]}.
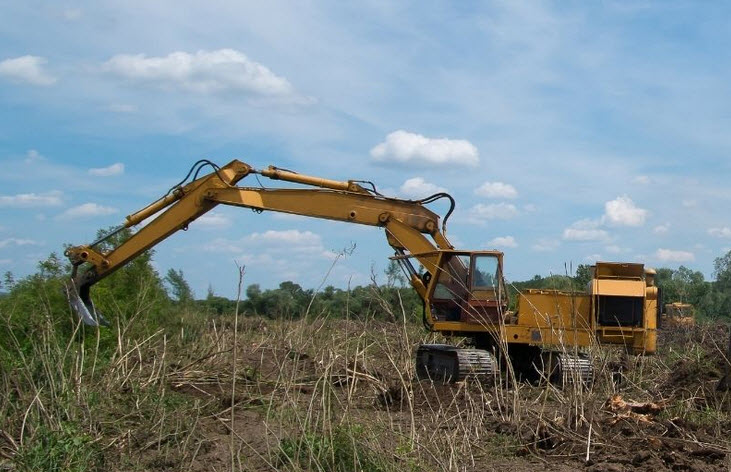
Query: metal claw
{"points": [[82, 305]]}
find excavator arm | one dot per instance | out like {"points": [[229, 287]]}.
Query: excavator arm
{"points": [[411, 229]]}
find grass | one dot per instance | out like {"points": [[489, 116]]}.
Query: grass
{"points": [[342, 450], [67, 448], [320, 394]]}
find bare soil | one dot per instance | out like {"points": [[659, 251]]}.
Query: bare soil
{"points": [[355, 374]]}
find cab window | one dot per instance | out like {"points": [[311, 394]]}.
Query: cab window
{"points": [[485, 275]]}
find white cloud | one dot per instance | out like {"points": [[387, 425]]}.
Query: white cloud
{"points": [[86, 210], [496, 190], [502, 241], [288, 216], [290, 254], [493, 211], [404, 147], [544, 245], [593, 258], [661, 229], [292, 239], [27, 200], [33, 156], [689, 203], [585, 230], [724, 232], [26, 69], [623, 212], [419, 188], [109, 171], [288, 237], [614, 249], [577, 234], [18, 242], [220, 71], [669, 255], [642, 180], [212, 220], [225, 245]]}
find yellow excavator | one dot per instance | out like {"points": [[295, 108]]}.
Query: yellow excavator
{"points": [[463, 292]]}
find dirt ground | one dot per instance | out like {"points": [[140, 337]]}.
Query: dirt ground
{"points": [[654, 413]]}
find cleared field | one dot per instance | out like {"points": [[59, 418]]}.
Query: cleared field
{"points": [[248, 393]]}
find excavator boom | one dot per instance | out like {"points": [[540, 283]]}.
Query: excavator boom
{"points": [[410, 226]]}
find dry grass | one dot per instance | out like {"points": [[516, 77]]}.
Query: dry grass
{"points": [[327, 394]]}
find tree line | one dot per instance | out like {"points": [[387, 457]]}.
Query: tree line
{"points": [[137, 288]]}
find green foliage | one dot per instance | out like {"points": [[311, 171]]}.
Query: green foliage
{"points": [[721, 299], [342, 450], [292, 301], [41, 294], [287, 301], [66, 449], [38, 304], [215, 305], [722, 270], [179, 288], [710, 299], [682, 285], [583, 276], [132, 289], [394, 275]]}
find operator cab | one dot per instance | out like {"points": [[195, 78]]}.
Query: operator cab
{"points": [[469, 287]]}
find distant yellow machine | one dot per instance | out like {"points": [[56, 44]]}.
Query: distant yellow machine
{"points": [[678, 314], [463, 292]]}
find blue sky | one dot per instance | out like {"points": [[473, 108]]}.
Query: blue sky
{"points": [[568, 132]]}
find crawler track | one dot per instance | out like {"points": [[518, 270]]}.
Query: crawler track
{"points": [[568, 369], [447, 363]]}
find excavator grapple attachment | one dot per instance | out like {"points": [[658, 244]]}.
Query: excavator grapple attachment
{"points": [[81, 304]]}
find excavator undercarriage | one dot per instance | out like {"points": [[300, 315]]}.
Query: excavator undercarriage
{"points": [[447, 363]]}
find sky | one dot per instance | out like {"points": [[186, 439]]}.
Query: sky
{"points": [[567, 132]]}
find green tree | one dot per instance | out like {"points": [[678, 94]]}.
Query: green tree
{"points": [[690, 285], [394, 275], [8, 280], [664, 280], [134, 288], [216, 304], [722, 271], [179, 287], [720, 300], [583, 276], [254, 300]]}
